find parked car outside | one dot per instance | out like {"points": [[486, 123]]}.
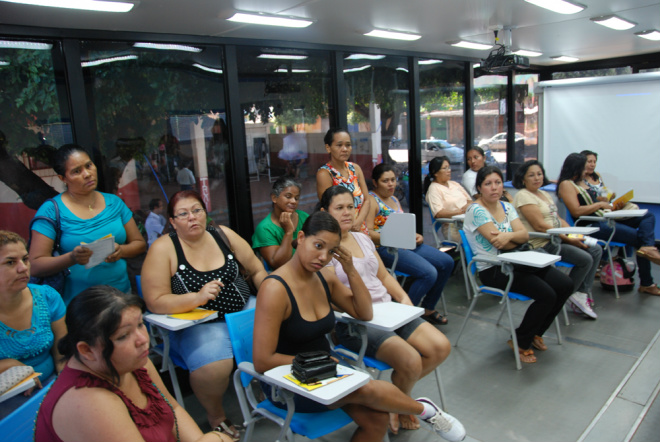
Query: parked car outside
{"points": [[498, 141], [436, 148]]}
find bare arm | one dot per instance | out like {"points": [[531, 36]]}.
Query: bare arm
{"points": [[323, 181], [135, 243], [59, 331], [246, 256], [504, 240], [534, 217], [44, 264], [277, 256], [273, 307], [356, 300], [156, 286], [364, 210], [371, 219], [569, 195]]}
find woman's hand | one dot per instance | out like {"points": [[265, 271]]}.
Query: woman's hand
{"points": [[37, 384], [80, 255], [209, 292], [501, 239], [419, 239], [286, 222], [357, 226], [605, 206], [576, 242], [345, 258], [116, 255]]}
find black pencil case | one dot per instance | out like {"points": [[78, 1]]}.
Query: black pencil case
{"points": [[313, 366]]}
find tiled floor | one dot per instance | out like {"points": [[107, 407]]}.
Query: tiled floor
{"points": [[600, 385]]}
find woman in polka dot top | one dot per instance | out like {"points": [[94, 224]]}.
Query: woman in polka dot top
{"points": [[193, 267]]}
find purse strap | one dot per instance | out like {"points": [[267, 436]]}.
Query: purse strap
{"points": [[55, 223]]}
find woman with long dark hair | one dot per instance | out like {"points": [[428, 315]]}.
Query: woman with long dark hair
{"points": [[637, 232]]}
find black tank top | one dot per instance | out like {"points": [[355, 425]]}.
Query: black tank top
{"points": [[298, 335], [235, 293]]}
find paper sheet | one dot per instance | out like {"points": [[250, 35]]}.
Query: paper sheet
{"points": [[101, 248]]}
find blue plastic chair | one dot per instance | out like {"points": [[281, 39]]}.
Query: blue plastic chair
{"points": [[506, 294], [19, 425], [310, 425], [608, 244], [160, 344]]}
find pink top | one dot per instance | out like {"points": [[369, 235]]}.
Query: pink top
{"points": [[451, 197], [155, 422], [367, 267]]}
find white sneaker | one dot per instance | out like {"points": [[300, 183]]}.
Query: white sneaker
{"points": [[580, 300], [446, 425]]}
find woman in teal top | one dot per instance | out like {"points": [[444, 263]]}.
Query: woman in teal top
{"points": [[273, 238], [31, 317], [85, 216]]}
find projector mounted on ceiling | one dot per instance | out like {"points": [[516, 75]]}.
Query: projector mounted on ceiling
{"points": [[501, 59]]}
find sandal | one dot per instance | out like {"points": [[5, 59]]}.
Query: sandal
{"points": [[650, 253], [526, 356], [226, 427], [435, 318], [538, 343], [651, 289]]}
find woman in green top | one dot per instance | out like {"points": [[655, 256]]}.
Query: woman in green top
{"points": [[273, 238]]}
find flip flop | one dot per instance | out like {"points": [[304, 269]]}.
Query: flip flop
{"points": [[225, 427], [435, 318], [526, 356]]}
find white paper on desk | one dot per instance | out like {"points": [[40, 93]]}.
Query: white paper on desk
{"points": [[101, 248]]}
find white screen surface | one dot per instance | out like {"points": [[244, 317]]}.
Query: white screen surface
{"points": [[616, 117]]}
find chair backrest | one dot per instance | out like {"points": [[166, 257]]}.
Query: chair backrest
{"points": [[138, 283], [436, 226], [569, 217], [18, 426], [399, 231], [469, 254], [241, 329]]}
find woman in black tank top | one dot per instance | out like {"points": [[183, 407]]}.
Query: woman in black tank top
{"points": [[294, 313]]}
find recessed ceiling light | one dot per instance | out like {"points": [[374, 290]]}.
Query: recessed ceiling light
{"points": [[526, 53], [4, 63], [270, 20], [651, 34], [90, 63], [87, 5], [393, 35], [166, 47], [207, 68], [476, 65], [429, 61], [560, 6], [469, 45], [402, 69], [282, 56], [293, 71], [361, 68], [364, 57], [564, 58], [12, 44], [614, 22]]}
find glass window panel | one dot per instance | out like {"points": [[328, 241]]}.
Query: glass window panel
{"points": [[284, 96], [490, 121], [441, 93], [593, 73], [158, 110], [34, 120], [527, 119], [377, 98]]}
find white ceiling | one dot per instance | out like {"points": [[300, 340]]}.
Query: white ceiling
{"points": [[343, 22]]}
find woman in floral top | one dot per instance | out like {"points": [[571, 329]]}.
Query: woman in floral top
{"points": [[341, 172], [429, 267]]}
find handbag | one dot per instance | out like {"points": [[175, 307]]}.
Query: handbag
{"points": [[58, 280], [313, 366]]}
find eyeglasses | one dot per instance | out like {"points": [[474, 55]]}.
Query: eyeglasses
{"points": [[184, 215]]}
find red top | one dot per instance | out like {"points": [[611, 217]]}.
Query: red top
{"points": [[155, 422]]}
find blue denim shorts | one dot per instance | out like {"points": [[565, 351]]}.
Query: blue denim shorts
{"points": [[375, 338], [204, 343]]}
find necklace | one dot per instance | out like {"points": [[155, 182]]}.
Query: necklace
{"points": [[89, 206]]}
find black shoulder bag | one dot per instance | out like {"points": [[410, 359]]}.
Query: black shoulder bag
{"points": [[58, 280]]}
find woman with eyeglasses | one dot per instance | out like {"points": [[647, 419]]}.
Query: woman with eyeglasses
{"points": [[445, 197], [194, 266]]}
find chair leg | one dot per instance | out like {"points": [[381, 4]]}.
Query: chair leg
{"points": [[559, 339], [499, 318], [566, 321], [444, 304], [468, 293], [441, 388], [514, 338], [467, 316]]}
